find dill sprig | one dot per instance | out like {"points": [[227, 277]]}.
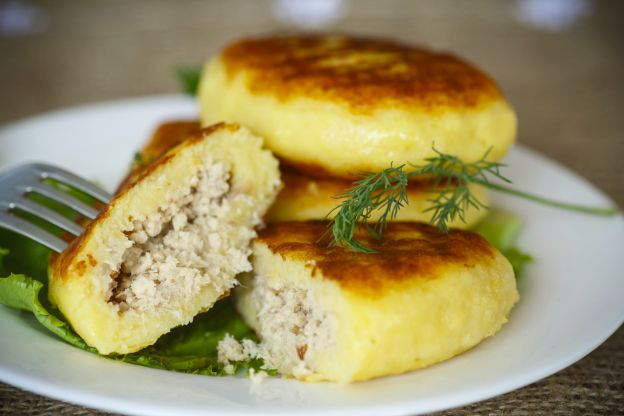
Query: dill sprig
{"points": [[386, 191], [450, 179]]}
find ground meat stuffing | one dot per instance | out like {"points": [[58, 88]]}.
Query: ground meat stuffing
{"points": [[292, 327], [230, 350], [187, 244]]}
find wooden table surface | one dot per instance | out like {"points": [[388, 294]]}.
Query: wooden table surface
{"points": [[559, 62]]}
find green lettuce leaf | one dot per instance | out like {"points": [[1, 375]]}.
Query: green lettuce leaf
{"points": [[32, 259], [22, 292], [501, 229]]}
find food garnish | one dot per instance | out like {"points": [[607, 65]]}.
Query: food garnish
{"points": [[386, 191]]}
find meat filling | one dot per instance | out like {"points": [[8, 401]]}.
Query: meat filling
{"points": [[188, 244], [292, 328]]}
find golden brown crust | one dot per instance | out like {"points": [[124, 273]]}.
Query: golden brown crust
{"points": [[408, 251], [168, 135], [363, 73]]}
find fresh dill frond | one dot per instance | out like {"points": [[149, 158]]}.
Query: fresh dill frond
{"points": [[385, 192], [188, 77], [451, 178]]}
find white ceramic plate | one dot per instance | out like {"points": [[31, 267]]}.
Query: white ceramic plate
{"points": [[571, 297]]}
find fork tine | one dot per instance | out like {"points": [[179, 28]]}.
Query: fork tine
{"points": [[48, 215], [29, 230], [68, 178], [63, 198]]}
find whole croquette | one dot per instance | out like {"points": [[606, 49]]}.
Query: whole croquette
{"points": [[333, 105], [169, 244], [330, 314], [304, 197]]}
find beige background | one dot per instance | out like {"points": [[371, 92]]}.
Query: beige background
{"points": [[564, 77]]}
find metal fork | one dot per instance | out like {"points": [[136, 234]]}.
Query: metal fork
{"points": [[17, 183]]}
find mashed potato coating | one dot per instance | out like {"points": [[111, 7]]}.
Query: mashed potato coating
{"points": [[330, 314], [339, 104]]}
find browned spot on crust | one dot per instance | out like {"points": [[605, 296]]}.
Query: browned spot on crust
{"points": [[80, 268], [363, 73], [407, 252], [64, 264]]}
